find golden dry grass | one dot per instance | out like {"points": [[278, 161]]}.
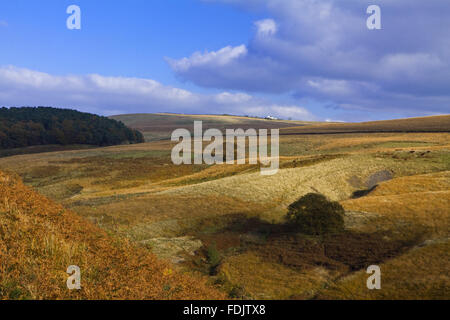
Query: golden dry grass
{"points": [[417, 141], [267, 280], [40, 239], [161, 125], [134, 191], [438, 181], [161, 215], [330, 178], [421, 200], [362, 143], [422, 124], [421, 273]]}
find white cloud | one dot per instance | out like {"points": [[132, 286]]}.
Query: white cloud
{"points": [[226, 97], [113, 95], [266, 27], [221, 57], [3, 23], [280, 111], [293, 112], [323, 51], [409, 64], [335, 87]]}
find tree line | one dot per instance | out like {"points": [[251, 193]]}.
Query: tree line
{"points": [[31, 126]]}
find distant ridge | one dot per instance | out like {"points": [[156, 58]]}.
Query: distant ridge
{"points": [[159, 126], [422, 124]]}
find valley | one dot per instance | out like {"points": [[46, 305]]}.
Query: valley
{"points": [[228, 222]]}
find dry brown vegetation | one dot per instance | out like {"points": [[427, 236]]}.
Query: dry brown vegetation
{"points": [[421, 273], [160, 126], [40, 239], [395, 188], [424, 124]]}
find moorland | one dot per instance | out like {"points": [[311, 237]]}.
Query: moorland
{"points": [[225, 225]]}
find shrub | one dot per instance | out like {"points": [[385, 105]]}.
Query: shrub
{"points": [[315, 214], [214, 258], [237, 292]]}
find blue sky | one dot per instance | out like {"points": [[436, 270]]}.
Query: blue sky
{"points": [[126, 38], [300, 59]]}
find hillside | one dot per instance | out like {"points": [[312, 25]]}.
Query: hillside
{"points": [[226, 221], [39, 239], [24, 127], [160, 126], [424, 124]]}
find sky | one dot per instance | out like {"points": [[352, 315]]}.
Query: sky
{"points": [[293, 59]]}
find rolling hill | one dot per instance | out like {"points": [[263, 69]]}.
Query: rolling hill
{"points": [[224, 221], [39, 239], [423, 124], [160, 126]]}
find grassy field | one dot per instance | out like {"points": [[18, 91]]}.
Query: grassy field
{"points": [[226, 222], [40, 239], [423, 124], [160, 126]]}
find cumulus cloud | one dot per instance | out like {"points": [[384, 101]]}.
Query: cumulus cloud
{"points": [[222, 57], [293, 112], [266, 27], [115, 95], [322, 50]]}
